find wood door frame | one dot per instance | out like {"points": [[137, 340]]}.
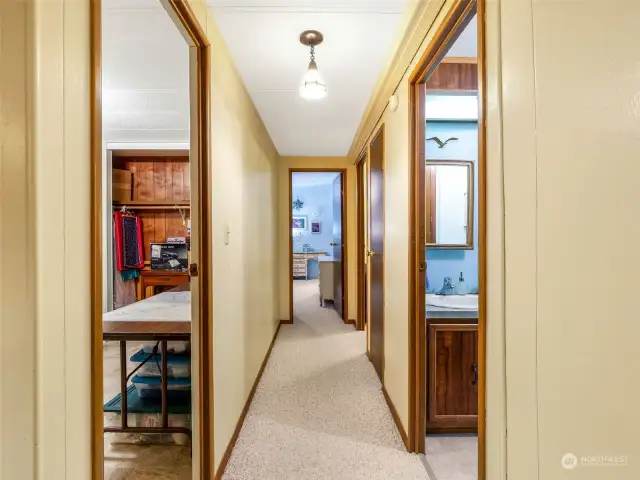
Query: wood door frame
{"points": [[345, 258], [452, 26], [361, 202], [200, 82]]}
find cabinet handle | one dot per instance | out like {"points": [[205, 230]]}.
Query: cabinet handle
{"points": [[474, 369]]}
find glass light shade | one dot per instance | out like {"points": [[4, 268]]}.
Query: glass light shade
{"points": [[313, 87]]}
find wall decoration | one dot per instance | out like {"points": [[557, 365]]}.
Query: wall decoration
{"points": [[316, 227], [297, 204], [440, 143], [299, 223]]}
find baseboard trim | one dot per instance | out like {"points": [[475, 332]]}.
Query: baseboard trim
{"points": [[350, 322], [243, 415], [286, 322], [396, 419]]}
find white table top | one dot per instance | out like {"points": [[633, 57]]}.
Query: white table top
{"points": [[165, 307]]}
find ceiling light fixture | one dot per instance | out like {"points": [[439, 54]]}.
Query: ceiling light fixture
{"points": [[312, 87]]}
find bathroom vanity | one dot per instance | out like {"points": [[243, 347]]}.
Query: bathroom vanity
{"points": [[452, 373]]}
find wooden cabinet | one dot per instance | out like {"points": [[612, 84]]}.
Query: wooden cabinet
{"points": [[452, 399], [151, 280], [299, 265], [326, 283]]}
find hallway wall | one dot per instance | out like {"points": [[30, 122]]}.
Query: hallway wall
{"points": [[284, 225], [571, 146], [17, 314], [244, 188]]}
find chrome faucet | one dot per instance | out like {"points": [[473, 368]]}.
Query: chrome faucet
{"points": [[447, 287]]}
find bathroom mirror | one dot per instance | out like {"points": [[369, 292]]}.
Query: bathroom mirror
{"points": [[449, 204]]}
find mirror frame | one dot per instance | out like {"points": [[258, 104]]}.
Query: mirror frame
{"points": [[470, 206]]}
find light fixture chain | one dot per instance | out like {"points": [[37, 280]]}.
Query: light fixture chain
{"points": [[313, 52]]}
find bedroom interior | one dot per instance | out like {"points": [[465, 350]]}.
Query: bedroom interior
{"points": [[317, 243], [147, 268]]}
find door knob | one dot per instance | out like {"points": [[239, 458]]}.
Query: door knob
{"points": [[371, 253], [332, 244]]}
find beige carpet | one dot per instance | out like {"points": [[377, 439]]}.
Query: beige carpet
{"points": [[318, 412]]}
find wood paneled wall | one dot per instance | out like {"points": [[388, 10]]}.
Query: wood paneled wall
{"points": [[159, 179], [461, 77]]}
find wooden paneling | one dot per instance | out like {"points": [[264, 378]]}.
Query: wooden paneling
{"points": [[454, 77], [158, 178]]}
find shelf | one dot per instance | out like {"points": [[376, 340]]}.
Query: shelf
{"points": [[152, 205]]}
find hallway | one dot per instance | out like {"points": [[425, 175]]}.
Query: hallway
{"points": [[318, 412]]}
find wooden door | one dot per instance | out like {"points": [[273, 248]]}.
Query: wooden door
{"points": [[453, 378], [361, 321], [338, 245], [376, 253]]}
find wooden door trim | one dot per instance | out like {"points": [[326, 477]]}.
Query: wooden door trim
{"points": [[345, 244], [452, 26], [185, 20], [360, 251]]}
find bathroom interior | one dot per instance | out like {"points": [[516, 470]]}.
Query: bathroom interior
{"points": [[451, 297]]}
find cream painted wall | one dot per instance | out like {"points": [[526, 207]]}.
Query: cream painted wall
{"points": [[244, 196], [17, 315], [60, 144], [571, 149], [284, 225]]}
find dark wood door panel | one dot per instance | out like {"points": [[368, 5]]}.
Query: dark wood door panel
{"points": [[453, 378], [338, 245], [376, 256]]}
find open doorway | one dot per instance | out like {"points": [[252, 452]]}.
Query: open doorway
{"points": [[447, 289], [151, 280], [318, 273]]}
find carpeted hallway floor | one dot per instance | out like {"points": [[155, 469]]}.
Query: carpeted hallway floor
{"points": [[318, 412]]}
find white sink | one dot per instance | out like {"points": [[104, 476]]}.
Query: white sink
{"points": [[455, 302]]}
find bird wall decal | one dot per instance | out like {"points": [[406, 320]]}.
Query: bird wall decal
{"points": [[440, 143]]}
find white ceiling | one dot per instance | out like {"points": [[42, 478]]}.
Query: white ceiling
{"points": [[145, 74], [308, 179], [467, 43], [263, 37]]}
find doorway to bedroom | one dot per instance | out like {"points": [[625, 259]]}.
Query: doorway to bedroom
{"points": [[318, 276], [151, 242]]}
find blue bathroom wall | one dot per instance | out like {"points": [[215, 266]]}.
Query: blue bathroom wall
{"points": [[449, 263], [318, 206]]}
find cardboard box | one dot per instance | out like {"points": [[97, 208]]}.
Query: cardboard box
{"points": [[169, 256], [121, 185]]}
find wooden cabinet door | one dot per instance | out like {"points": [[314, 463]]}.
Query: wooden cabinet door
{"points": [[338, 244], [453, 378]]}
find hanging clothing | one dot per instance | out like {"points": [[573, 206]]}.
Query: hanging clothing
{"points": [[127, 231]]}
